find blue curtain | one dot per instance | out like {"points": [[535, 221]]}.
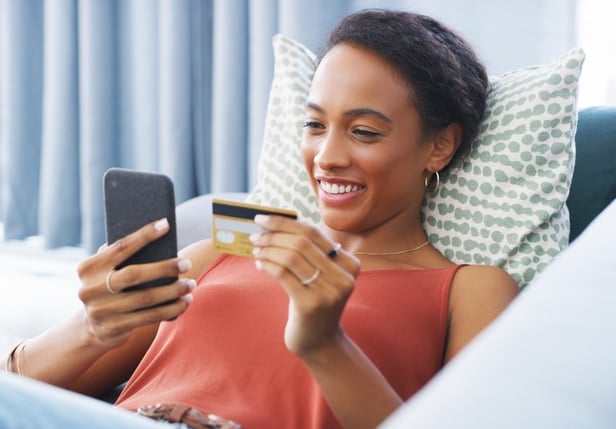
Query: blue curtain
{"points": [[176, 86]]}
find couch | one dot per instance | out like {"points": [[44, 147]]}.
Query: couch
{"points": [[593, 185]]}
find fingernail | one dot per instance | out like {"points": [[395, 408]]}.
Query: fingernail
{"points": [[254, 237], [256, 251], [184, 265], [161, 224], [261, 219], [188, 284], [187, 298], [259, 265]]}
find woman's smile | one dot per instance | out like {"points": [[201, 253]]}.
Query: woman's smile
{"points": [[338, 192]]}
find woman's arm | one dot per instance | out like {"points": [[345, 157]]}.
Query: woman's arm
{"points": [[67, 356], [354, 388], [99, 347]]}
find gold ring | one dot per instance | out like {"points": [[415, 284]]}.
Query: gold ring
{"points": [[108, 282], [312, 278]]}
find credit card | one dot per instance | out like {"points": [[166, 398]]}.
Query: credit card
{"points": [[233, 222]]}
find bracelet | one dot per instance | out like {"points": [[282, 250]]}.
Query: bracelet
{"points": [[18, 355], [12, 361]]}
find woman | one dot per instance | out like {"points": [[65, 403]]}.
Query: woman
{"points": [[301, 336]]}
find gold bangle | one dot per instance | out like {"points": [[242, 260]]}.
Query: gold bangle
{"points": [[18, 354], [9, 363]]}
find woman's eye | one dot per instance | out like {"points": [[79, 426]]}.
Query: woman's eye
{"points": [[361, 132], [312, 124]]}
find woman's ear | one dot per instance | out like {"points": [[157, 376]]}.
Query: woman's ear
{"points": [[445, 144]]}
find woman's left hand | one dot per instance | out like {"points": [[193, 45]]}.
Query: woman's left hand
{"points": [[317, 275]]}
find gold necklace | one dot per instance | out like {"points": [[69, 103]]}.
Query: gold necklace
{"points": [[399, 252]]}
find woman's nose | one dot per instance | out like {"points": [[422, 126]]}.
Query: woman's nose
{"points": [[333, 152]]}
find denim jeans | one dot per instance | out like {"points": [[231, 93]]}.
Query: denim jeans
{"points": [[25, 403]]}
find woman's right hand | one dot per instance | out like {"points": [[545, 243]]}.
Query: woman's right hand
{"points": [[110, 314]]}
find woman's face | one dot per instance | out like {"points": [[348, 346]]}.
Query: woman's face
{"points": [[362, 143]]}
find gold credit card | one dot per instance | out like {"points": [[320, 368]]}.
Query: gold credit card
{"points": [[233, 222]]}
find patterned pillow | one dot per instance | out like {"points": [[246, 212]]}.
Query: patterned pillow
{"points": [[503, 205], [281, 178]]}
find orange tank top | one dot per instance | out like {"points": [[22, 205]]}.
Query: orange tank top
{"points": [[226, 355]]}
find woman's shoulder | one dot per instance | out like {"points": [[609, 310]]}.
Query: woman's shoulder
{"points": [[483, 282], [482, 276], [479, 293]]}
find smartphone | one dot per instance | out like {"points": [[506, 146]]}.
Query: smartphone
{"points": [[132, 199]]}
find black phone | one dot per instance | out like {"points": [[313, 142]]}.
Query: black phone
{"points": [[132, 199]]}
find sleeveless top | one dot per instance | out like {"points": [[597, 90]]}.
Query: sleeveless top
{"points": [[226, 354]]}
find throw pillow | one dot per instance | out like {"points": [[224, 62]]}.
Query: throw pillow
{"points": [[282, 180], [503, 205]]}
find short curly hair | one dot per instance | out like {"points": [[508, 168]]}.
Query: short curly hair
{"points": [[447, 81]]}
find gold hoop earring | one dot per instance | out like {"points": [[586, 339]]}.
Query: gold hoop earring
{"points": [[427, 180]]}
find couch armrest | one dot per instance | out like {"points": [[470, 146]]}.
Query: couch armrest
{"points": [[593, 186], [194, 216]]}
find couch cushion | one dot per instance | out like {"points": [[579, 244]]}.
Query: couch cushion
{"points": [[503, 205], [594, 179]]}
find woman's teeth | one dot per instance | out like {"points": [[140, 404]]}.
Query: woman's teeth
{"points": [[334, 188]]}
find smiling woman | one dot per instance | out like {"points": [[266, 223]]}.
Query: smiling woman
{"points": [[359, 312]]}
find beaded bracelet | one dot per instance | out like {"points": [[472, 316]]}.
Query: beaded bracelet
{"points": [[12, 363]]}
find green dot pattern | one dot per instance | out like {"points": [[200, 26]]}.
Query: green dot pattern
{"points": [[503, 204]]}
